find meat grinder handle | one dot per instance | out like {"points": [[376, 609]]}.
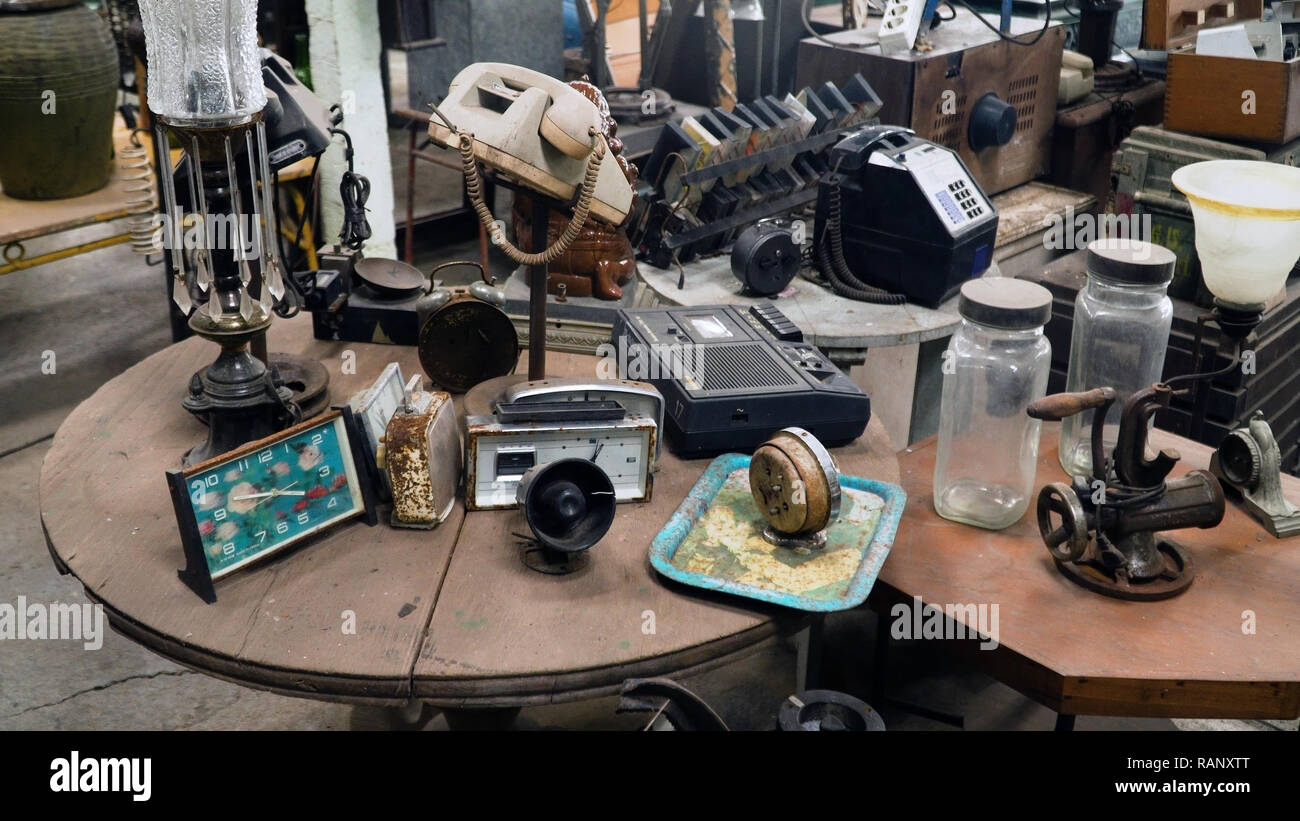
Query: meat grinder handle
{"points": [[1058, 406]]}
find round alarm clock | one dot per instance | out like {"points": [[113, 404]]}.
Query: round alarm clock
{"points": [[465, 336], [795, 483], [765, 258]]}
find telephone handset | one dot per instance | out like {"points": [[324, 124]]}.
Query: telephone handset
{"points": [[537, 130]]}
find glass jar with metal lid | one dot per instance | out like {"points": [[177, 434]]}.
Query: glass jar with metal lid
{"points": [[1122, 317], [996, 364]]}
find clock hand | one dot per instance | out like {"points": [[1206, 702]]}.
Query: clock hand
{"points": [[277, 492], [272, 493]]}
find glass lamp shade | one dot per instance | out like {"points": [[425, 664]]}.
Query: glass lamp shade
{"points": [[205, 67], [1247, 216]]}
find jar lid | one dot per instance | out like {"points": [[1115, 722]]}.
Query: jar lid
{"points": [[1002, 302], [1131, 261]]}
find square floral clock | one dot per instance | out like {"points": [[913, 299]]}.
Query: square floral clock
{"points": [[243, 506]]}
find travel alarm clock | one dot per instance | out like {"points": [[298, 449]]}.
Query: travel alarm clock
{"points": [[259, 499]]}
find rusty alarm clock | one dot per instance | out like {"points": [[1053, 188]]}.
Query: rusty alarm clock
{"points": [[465, 337], [795, 483]]}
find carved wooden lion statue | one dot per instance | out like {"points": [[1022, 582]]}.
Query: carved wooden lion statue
{"points": [[602, 258]]}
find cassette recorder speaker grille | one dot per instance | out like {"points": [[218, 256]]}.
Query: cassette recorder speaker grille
{"points": [[737, 384], [738, 367]]}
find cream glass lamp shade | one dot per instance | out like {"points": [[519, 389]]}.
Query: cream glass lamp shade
{"points": [[1247, 216], [205, 67]]}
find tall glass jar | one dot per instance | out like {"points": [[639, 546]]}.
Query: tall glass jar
{"points": [[1121, 331], [997, 363]]}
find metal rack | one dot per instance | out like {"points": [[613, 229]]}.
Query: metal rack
{"points": [[812, 144]]}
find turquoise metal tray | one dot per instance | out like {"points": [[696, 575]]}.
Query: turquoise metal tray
{"points": [[713, 542]]}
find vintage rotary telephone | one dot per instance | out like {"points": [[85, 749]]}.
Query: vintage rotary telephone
{"points": [[538, 131], [1104, 531]]}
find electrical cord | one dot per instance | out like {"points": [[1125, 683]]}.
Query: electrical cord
{"points": [[1047, 21], [354, 190], [833, 265], [1206, 375], [806, 14]]}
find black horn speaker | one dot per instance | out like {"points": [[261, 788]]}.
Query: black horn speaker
{"points": [[569, 506]]}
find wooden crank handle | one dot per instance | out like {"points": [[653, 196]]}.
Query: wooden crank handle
{"points": [[1058, 406]]}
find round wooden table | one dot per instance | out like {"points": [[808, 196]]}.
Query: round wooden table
{"points": [[450, 617]]}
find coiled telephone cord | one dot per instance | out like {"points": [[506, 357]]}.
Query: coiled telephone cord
{"points": [[836, 268], [474, 189]]}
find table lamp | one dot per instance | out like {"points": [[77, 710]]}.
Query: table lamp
{"points": [[206, 87], [1247, 218]]}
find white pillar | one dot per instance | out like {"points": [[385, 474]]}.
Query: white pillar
{"points": [[345, 55]]}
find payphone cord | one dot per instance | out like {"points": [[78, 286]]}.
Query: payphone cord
{"points": [[830, 261]]}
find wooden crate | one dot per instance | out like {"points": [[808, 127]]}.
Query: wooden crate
{"points": [[1205, 95], [1172, 24], [1208, 95]]}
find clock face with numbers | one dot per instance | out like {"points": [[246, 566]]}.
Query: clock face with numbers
{"points": [[263, 497]]}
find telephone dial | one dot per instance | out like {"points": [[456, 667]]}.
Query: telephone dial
{"points": [[539, 131]]}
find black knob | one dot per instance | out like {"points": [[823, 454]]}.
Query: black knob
{"points": [[992, 122]]}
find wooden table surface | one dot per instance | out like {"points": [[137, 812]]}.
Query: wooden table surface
{"points": [[1082, 653], [450, 616]]}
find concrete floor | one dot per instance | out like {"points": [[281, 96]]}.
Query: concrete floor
{"points": [[104, 311]]}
